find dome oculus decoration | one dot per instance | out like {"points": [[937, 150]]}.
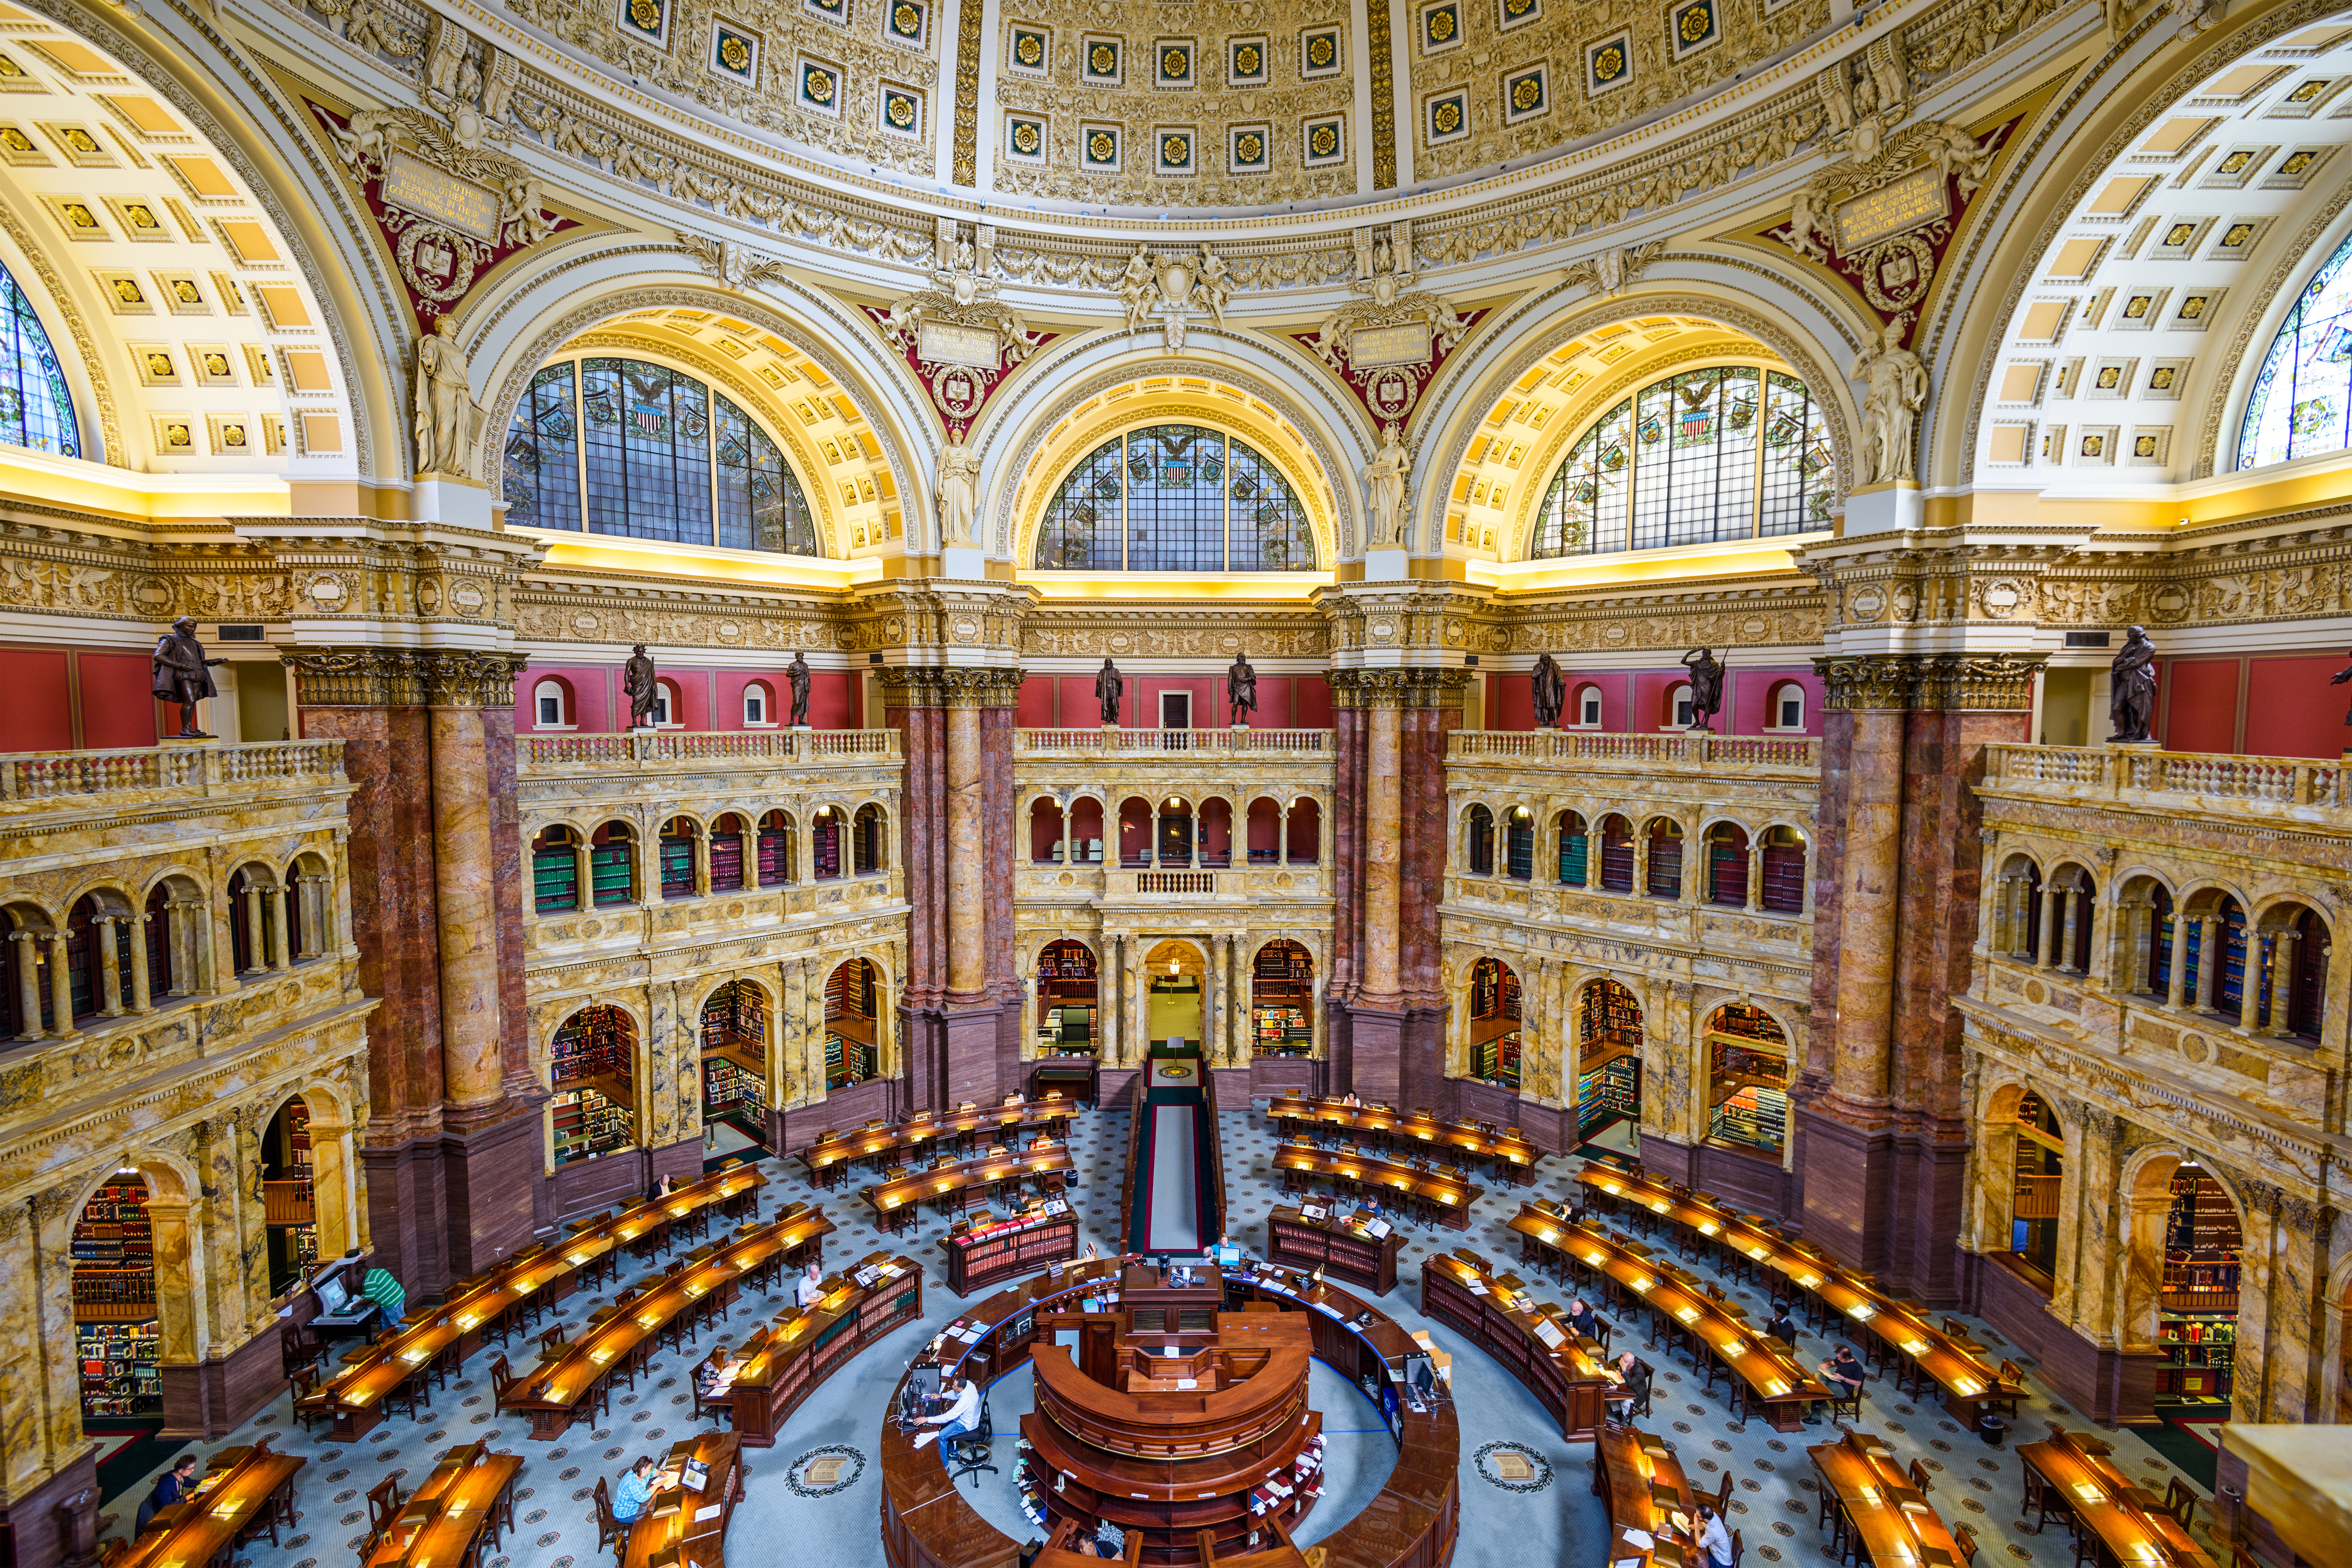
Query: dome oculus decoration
{"points": [[1681, 462], [1175, 497]]}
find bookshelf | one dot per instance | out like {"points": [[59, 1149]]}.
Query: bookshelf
{"points": [[1748, 1080], [289, 1206], [824, 837], [1575, 854], [610, 866], [590, 1067], [1282, 1001], [1611, 1093], [2196, 1318], [988, 1251], [555, 875], [728, 1091], [1066, 994], [588, 1124], [115, 1330], [849, 1025]]}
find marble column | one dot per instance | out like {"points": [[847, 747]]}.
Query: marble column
{"points": [[583, 892], [110, 964], [2282, 988], [2047, 944], [2209, 962], [141, 998], [967, 957], [2177, 979], [1755, 876], [1110, 969], [28, 983], [61, 987], [257, 931], [1382, 850], [1869, 893], [471, 1076], [2250, 981], [281, 928]]}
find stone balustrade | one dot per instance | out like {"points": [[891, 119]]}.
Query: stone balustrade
{"points": [[1110, 741], [548, 753], [80, 781], [1787, 755], [2298, 788]]}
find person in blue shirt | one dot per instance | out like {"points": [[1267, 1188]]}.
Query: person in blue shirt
{"points": [[176, 1486], [636, 1492]]}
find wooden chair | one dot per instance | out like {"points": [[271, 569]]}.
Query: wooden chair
{"points": [[1721, 1500], [2181, 1502], [1966, 1540], [502, 1378], [1848, 1402], [609, 1531], [1920, 1481], [1738, 1549], [383, 1503], [550, 1339], [304, 1381]]}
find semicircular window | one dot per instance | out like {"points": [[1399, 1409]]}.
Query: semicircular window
{"points": [[36, 407], [1175, 497], [644, 451], [1725, 453], [2302, 401]]}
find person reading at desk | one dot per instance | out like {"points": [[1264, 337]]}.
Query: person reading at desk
{"points": [[717, 1374], [1581, 1321], [636, 1492], [1713, 1539], [957, 1419], [1782, 1327], [1632, 1382], [1844, 1374], [809, 1289], [176, 1486]]}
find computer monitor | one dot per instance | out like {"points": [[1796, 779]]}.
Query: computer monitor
{"points": [[923, 1384], [1419, 1375]]}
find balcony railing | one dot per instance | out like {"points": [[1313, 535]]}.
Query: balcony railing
{"points": [[1679, 753], [709, 746], [1104, 742], [2300, 788], [209, 770]]}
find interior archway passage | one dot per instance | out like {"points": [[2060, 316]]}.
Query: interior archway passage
{"points": [[1282, 1000], [735, 1058], [1608, 1057], [1066, 995], [2197, 1308], [289, 1202], [852, 1041], [1494, 1041], [118, 1336], [2039, 1171], [592, 1070], [1748, 1080]]}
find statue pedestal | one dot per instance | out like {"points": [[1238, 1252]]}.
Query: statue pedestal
{"points": [[452, 499], [1391, 565], [963, 563], [643, 730], [1239, 728], [1884, 508], [190, 741], [2133, 745]]}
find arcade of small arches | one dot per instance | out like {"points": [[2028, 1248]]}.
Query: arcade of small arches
{"points": [[1756, 867], [692, 857], [1175, 831]]}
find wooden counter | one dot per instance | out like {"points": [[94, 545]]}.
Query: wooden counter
{"points": [[1513, 1155], [1571, 1380], [987, 1254], [784, 1361], [247, 1490], [1450, 1197], [1343, 1246], [1412, 1523], [828, 1157], [558, 1391], [1892, 1520], [1969, 1380], [688, 1527], [355, 1397]]}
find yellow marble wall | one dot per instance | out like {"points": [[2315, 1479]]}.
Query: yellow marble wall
{"points": [[179, 1085], [2138, 1079], [1681, 958]]}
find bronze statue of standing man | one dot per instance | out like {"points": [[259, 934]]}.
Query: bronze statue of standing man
{"points": [[1106, 687], [183, 674], [1241, 690], [638, 684], [1707, 687], [2131, 689], [1550, 690], [797, 674]]}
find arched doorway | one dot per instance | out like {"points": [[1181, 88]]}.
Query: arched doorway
{"points": [[2039, 1171], [1493, 1053], [592, 1070], [735, 1064], [289, 1203], [852, 1013], [1174, 992], [1607, 1059], [1282, 1000], [1066, 997], [117, 1335], [2192, 1252], [1748, 1080]]}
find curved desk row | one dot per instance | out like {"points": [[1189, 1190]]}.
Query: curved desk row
{"points": [[1412, 1523], [1510, 1149], [836, 1151], [1568, 1374], [784, 1361]]}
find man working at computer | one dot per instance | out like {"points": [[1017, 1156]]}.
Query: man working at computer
{"points": [[957, 1419]]}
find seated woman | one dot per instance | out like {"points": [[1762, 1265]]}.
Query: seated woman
{"points": [[717, 1372]]}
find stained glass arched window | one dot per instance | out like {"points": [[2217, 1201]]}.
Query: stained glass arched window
{"points": [[1175, 497], [36, 407], [641, 450], [2302, 402], [1724, 453]]}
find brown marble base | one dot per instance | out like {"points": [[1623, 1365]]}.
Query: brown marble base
{"points": [[1117, 1086], [2112, 1387], [1886, 1201], [37, 1525], [1752, 1182], [490, 1174], [1849, 1177], [880, 1099], [1368, 1052], [1271, 1076], [407, 1210], [955, 1054], [584, 1187], [681, 1161], [207, 1399]]}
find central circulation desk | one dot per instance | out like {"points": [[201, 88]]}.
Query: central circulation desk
{"points": [[1969, 1383], [835, 1152], [560, 1389], [1764, 1375], [1412, 1523], [1510, 1152], [1567, 1373], [355, 1398], [1449, 1198], [783, 1361], [1346, 1247]]}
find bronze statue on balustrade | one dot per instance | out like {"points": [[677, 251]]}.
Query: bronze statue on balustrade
{"points": [[1107, 688], [796, 674], [1241, 690], [181, 674], [637, 681], [2131, 689], [1706, 688], [1550, 691]]}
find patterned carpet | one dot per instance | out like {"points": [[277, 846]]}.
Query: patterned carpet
{"points": [[1525, 1499]]}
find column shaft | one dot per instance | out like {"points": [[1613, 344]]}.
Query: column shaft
{"points": [[141, 1000], [1383, 801], [465, 911], [967, 913], [61, 986], [109, 961]]}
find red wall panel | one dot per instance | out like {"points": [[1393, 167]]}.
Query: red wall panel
{"points": [[118, 702], [1310, 699], [1037, 709], [38, 714], [1511, 701], [2291, 710], [2202, 712], [832, 698], [1748, 711], [1651, 712]]}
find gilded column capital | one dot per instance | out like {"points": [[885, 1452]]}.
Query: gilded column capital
{"points": [[1929, 683], [355, 677], [951, 686], [469, 678], [1394, 687]]}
